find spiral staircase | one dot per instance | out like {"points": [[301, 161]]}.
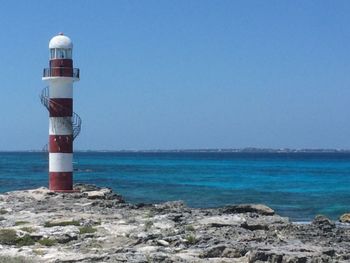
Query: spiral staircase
{"points": [[73, 122]]}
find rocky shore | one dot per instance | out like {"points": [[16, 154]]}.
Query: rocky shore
{"points": [[96, 225]]}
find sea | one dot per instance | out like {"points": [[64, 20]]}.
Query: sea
{"points": [[298, 185]]}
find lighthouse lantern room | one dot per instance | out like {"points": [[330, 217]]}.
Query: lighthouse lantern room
{"points": [[64, 124]]}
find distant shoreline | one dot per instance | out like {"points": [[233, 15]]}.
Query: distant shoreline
{"points": [[214, 150]]}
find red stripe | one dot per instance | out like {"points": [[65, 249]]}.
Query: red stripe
{"points": [[61, 143], [61, 72], [61, 107], [65, 63], [60, 181]]}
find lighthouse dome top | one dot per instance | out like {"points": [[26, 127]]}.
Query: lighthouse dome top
{"points": [[61, 41]]}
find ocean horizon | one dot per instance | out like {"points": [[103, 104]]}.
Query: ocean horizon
{"points": [[299, 185]]}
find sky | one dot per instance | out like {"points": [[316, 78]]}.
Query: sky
{"points": [[182, 74]]}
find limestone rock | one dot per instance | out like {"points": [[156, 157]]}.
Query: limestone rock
{"points": [[323, 223], [86, 187], [214, 252], [249, 208], [95, 225], [95, 192], [264, 222], [224, 220], [345, 218], [100, 194], [62, 234], [170, 206], [162, 243]]}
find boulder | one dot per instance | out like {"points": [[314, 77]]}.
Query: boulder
{"points": [[100, 194], [163, 243], [86, 187], [264, 222], [170, 206], [104, 194], [345, 218], [223, 220], [323, 223], [59, 233], [249, 208], [213, 252]]}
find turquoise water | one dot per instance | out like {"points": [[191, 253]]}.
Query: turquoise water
{"points": [[298, 185]]}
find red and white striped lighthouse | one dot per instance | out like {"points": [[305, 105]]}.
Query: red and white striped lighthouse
{"points": [[64, 124]]}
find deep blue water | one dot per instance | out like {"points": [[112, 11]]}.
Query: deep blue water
{"points": [[298, 185]]}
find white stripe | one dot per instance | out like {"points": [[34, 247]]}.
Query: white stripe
{"points": [[49, 79], [61, 162], [60, 126], [61, 89]]}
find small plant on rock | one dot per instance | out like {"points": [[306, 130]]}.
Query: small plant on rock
{"points": [[26, 240], [3, 211], [189, 228], [148, 225], [62, 223], [132, 221], [149, 214], [87, 230], [191, 239], [18, 223], [148, 258], [27, 229], [8, 237], [47, 242]]}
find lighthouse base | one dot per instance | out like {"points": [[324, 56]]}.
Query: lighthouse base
{"points": [[61, 181]]}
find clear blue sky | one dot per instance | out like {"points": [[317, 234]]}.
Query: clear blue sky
{"points": [[183, 74]]}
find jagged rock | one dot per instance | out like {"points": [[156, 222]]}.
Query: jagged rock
{"points": [[99, 194], [264, 222], [345, 218], [254, 256], [236, 252], [329, 252], [213, 252], [107, 230], [62, 234], [95, 192], [176, 217], [163, 243], [249, 208], [254, 226], [224, 220], [298, 259], [170, 206], [86, 187], [71, 258], [323, 223]]}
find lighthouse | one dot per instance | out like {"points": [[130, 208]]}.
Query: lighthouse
{"points": [[64, 124]]}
